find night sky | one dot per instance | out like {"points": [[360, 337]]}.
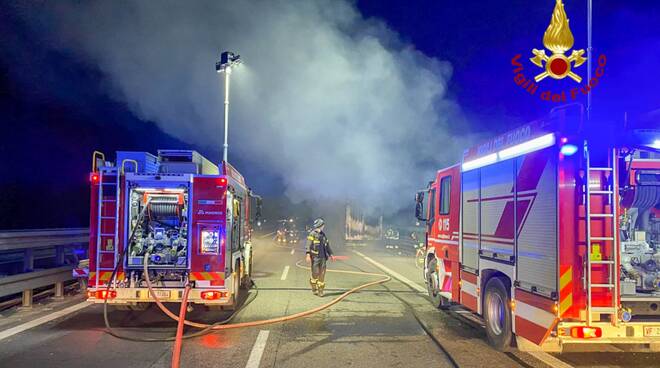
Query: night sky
{"points": [[55, 110]]}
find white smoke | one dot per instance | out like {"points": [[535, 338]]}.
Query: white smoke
{"points": [[334, 104]]}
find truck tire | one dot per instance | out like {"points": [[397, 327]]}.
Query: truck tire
{"points": [[246, 280], [433, 288], [236, 289], [497, 315]]}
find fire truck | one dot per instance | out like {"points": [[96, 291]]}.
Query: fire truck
{"points": [[176, 215], [550, 232]]}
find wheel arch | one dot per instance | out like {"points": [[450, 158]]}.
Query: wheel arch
{"points": [[487, 275]]}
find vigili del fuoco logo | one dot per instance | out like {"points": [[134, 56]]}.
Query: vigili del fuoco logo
{"points": [[558, 39]]}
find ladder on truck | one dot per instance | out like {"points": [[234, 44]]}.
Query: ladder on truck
{"points": [[109, 178], [607, 174]]}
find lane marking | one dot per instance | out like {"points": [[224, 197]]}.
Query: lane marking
{"points": [[540, 355], [293, 251], [40, 321], [258, 349], [284, 273], [392, 273]]}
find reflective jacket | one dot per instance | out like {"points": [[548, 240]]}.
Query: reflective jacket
{"points": [[318, 244]]}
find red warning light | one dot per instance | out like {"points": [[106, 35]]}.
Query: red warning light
{"points": [[94, 178], [223, 181], [586, 332], [212, 295], [104, 294]]}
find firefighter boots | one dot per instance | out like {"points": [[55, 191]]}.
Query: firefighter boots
{"points": [[320, 286], [314, 283]]}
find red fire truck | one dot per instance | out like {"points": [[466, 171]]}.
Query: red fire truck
{"points": [[187, 219], [551, 234]]}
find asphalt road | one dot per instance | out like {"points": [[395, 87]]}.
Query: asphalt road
{"points": [[390, 325]]}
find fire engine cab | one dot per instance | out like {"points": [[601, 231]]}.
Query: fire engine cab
{"points": [[551, 233], [177, 215]]}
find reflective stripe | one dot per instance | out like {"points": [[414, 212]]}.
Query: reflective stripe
{"points": [[217, 276], [469, 288], [534, 315]]}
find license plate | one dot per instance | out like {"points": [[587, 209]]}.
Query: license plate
{"points": [[652, 331], [162, 294]]}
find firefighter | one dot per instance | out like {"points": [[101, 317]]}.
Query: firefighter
{"points": [[318, 252]]}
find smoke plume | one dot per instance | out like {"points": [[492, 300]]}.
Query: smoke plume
{"points": [[336, 105]]}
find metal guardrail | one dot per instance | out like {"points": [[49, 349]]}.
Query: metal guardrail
{"points": [[31, 242], [32, 280], [24, 239]]}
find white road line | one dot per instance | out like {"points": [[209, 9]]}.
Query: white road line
{"points": [[540, 355], [284, 273], [258, 349], [392, 273], [40, 321], [293, 251]]}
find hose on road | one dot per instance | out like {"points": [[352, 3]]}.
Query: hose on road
{"points": [[111, 331], [178, 341], [222, 325], [384, 278]]}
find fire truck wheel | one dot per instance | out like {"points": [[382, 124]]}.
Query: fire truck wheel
{"points": [[433, 287], [236, 298], [497, 315], [246, 280]]}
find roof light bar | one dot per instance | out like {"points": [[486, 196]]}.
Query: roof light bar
{"points": [[479, 162], [656, 144], [507, 153], [527, 147]]}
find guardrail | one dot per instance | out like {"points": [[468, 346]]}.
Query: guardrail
{"points": [[39, 245]]}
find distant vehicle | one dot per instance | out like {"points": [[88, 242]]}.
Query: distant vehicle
{"points": [[391, 234], [287, 232], [186, 219], [552, 234]]}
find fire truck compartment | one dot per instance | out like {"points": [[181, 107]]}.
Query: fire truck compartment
{"points": [[163, 231], [640, 236]]}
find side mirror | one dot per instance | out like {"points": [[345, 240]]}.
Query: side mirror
{"points": [[259, 208], [419, 206]]}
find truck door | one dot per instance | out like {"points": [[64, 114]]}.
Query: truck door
{"points": [[446, 238]]}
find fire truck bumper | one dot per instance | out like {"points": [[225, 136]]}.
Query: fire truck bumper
{"points": [[646, 333], [130, 296]]}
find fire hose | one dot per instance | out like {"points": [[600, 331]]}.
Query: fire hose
{"points": [[176, 353], [111, 331], [221, 325]]}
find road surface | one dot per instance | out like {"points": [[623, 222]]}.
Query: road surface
{"points": [[390, 325]]}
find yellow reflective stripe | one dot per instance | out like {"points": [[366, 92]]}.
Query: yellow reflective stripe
{"points": [[566, 278], [565, 303]]}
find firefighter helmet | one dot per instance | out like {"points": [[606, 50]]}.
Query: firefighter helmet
{"points": [[318, 223]]}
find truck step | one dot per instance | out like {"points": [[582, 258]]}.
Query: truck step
{"points": [[602, 262], [600, 169], [609, 286], [108, 218], [604, 309], [601, 192], [602, 238], [601, 215]]}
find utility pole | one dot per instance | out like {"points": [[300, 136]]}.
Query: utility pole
{"points": [[227, 61]]}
